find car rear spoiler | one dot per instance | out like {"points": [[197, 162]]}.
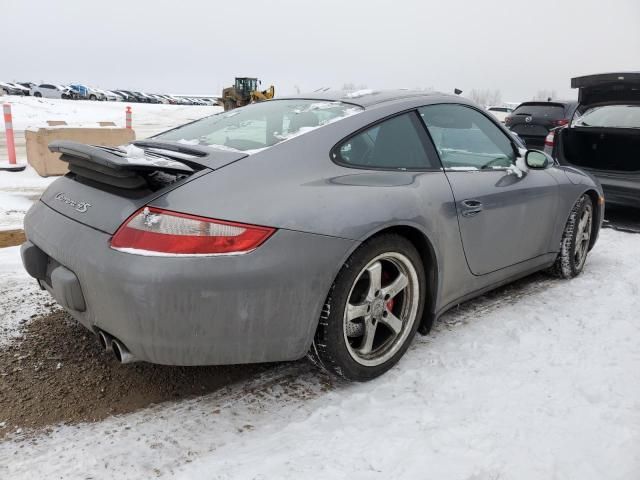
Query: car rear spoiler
{"points": [[126, 167], [608, 88]]}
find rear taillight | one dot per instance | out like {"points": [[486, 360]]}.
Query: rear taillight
{"points": [[561, 122], [548, 140], [161, 232], [507, 120]]}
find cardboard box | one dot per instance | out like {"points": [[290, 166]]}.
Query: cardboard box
{"points": [[47, 163]]}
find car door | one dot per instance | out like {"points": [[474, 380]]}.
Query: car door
{"points": [[46, 90], [505, 214]]}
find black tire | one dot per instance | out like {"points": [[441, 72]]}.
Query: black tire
{"points": [[332, 349], [37, 95], [93, 97], [569, 263]]}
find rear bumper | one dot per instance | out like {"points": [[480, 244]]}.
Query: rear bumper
{"points": [[259, 307]]}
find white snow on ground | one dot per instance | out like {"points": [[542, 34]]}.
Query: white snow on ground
{"points": [[20, 296], [34, 112], [18, 190], [539, 382]]}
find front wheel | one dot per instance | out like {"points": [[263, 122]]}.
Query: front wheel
{"points": [[576, 240], [372, 311], [37, 95]]}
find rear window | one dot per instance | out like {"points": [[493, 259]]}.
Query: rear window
{"points": [[499, 109], [260, 125], [540, 110], [611, 116]]}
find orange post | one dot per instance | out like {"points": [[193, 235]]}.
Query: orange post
{"points": [[128, 117], [8, 126]]}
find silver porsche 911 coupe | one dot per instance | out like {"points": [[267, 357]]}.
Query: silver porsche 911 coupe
{"points": [[331, 225]]}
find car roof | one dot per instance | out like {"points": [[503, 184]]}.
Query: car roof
{"points": [[367, 98]]}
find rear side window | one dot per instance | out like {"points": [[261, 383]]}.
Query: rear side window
{"points": [[466, 139], [397, 143], [551, 111], [261, 125]]}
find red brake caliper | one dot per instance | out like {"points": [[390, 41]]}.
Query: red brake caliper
{"points": [[390, 303]]}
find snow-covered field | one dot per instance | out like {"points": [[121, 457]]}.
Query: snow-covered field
{"points": [[34, 112], [19, 190], [540, 381]]}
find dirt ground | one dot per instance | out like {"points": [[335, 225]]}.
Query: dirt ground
{"points": [[55, 372]]}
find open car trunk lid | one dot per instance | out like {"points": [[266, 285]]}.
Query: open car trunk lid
{"points": [[106, 185], [606, 88]]}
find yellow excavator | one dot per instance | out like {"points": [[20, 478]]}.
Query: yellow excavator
{"points": [[245, 91]]}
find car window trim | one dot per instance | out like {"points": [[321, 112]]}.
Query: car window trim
{"points": [[514, 147], [418, 125]]}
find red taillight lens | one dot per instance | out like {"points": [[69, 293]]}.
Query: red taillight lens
{"points": [[160, 231], [561, 122], [548, 140]]}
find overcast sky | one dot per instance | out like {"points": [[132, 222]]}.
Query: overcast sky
{"points": [[188, 46]]}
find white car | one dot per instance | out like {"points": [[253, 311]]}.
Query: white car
{"points": [[106, 95], [21, 88], [48, 90], [500, 112], [113, 96], [9, 89]]}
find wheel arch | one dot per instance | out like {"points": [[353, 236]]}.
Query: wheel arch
{"points": [[599, 213], [427, 251]]}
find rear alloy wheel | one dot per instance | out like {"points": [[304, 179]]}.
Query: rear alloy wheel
{"points": [[373, 310], [576, 240]]}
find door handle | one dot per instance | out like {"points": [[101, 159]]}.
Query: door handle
{"points": [[471, 208]]}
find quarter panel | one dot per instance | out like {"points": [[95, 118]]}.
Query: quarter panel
{"points": [[259, 307]]}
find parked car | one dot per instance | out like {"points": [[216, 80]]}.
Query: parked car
{"points": [[106, 95], [96, 94], [127, 96], [24, 90], [28, 85], [603, 137], [533, 120], [148, 97], [499, 112], [169, 99], [79, 91], [48, 90], [442, 207], [10, 89], [113, 96], [160, 98]]}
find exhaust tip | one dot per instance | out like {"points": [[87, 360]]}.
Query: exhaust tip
{"points": [[122, 354], [105, 341]]}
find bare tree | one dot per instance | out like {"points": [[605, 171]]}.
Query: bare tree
{"points": [[545, 95], [486, 97]]}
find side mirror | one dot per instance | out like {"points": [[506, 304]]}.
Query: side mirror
{"points": [[537, 160]]}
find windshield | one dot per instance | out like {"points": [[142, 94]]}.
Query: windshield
{"points": [[260, 125], [612, 116]]}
